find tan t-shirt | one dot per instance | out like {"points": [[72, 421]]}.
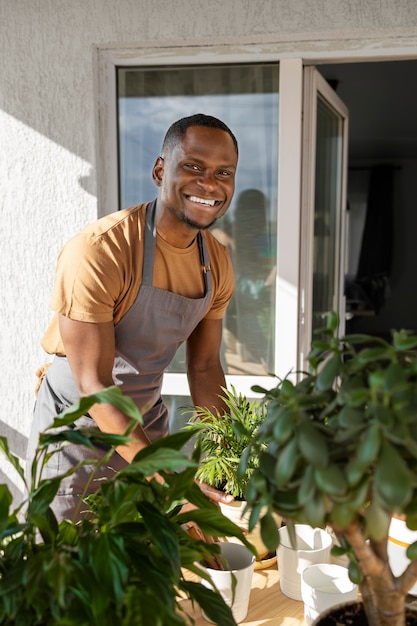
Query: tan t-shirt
{"points": [[99, 273]]}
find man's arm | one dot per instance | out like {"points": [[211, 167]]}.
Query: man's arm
{"points": [[206, 378], [204, 369], [90, 350]]}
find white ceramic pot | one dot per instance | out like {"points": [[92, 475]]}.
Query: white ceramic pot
{"points": [[234, 512], [325, 585], [313, 545], [241, 562], [399, 539]]}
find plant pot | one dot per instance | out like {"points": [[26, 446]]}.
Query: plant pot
{"points": [[353, 613], [313, 546], [234, 512], [399, 539], [241, 562], [325, 585]]}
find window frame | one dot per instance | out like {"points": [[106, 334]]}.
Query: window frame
{"points": [[289, 180]]}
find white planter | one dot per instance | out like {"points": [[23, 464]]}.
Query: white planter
{"points": [[399, 538], [313, 546], [241, 562], [325, 585], [234, 512]]}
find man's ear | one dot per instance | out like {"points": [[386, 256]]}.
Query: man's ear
{"points": [[158, 171]]}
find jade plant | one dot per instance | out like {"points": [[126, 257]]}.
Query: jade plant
{"points": [[126, 561], [342, 453]]}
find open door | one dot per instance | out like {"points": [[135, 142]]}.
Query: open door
{"points": [[323, 208]]}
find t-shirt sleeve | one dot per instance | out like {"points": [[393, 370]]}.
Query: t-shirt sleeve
{"points": [[88, 280], [223, 282]]}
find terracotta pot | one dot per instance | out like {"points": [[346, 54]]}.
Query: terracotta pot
{"points": [[354, 613]]}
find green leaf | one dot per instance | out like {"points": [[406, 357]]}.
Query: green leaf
{"points": [[111, 395], [370, 355], [393, 482], [332, 321], [42, 497], [342, 514], [350, 416], [377, 521], [331, 480], [14, 460], [312, 444], [157, 460], [58, 572], [211, 603], [47, 524], [355, 573], [284, 424], [329, 373], [366, 454], [411, 551], [315, 510], [163, 533], [369, 446], [213, 523], [307, 485], [286, 464], [269, 531], [403, 341], [5, 502]]}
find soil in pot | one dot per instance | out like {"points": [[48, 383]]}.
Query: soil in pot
{"points": [[353, 614]]}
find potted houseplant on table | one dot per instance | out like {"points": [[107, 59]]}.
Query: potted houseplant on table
{"points": [[342, 453], [225, 436], [126, 561]]}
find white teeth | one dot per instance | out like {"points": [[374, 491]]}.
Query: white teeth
{"points": [[202, 201]]}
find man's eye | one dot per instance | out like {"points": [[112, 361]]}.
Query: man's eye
{"points": [[192, 166], [225, 173]]}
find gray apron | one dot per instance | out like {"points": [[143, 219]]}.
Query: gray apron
{"points": [[147, 338]]}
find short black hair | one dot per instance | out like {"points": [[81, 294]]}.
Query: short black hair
{"points": [[176, 132]]}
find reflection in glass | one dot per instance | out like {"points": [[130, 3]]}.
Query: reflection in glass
{"points": [[245, 97], [328, 197]]}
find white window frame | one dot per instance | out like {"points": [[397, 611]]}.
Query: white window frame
{"points": [[289, 180]]}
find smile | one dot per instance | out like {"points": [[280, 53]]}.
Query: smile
{"points": [[203, 201]]}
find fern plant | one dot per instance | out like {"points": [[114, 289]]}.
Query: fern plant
{"points": [[225, 436]]}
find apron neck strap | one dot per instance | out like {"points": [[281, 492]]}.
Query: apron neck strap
{"points": [[149, 250]]}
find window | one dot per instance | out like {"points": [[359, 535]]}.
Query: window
{"points": [[245, 97]]}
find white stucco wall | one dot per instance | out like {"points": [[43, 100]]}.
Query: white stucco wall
{"points": [[47, 125]]}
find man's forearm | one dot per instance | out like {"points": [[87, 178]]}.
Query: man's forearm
{"points": [[110, 420], [206, 388]]}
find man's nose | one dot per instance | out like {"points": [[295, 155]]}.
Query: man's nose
{"points": [[207, 180]]}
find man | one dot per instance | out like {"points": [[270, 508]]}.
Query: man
{"points": [[131, 288]]}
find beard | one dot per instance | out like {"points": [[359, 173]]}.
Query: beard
{"points": [[185, 219]]}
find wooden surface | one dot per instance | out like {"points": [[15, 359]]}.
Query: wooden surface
{"points": [[267, 605]]}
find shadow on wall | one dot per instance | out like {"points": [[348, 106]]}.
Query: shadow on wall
{"points": [[17, 445]]}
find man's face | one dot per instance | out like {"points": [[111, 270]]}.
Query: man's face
{"points": [[196, 179]]}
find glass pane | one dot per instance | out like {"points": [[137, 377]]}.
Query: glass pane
{"points": [[327, 211], [245, 97]]}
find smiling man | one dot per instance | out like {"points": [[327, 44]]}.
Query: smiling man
{"points": [[131, 288]]}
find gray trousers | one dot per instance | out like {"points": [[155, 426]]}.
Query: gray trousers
{"points": [[57, 392]]}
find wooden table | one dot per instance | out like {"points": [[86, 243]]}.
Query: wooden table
{"points": [[267, 605]]}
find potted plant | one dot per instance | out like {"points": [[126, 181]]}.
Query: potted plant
{"points": [[342, 453], [224, 436], [123, 563]]}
